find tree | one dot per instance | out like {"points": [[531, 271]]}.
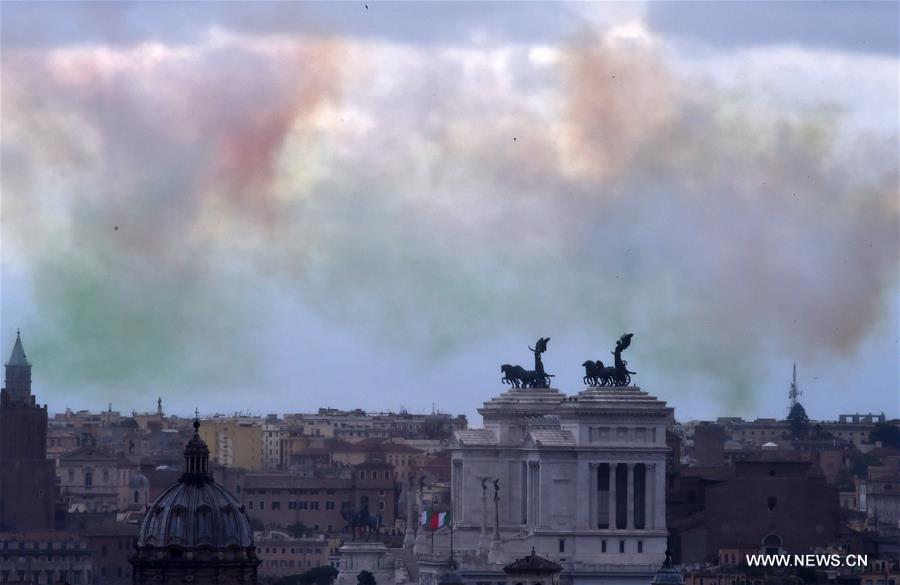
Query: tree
{"points": [[297, 529], [859, 465], [799, 422], [365, 578], [888, 434], [321, 575]]}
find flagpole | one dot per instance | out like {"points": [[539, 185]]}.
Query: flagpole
{"points": [[452, 562], [432, 528]]}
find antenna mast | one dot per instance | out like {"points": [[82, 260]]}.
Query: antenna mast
{"points": [[794, 392]]}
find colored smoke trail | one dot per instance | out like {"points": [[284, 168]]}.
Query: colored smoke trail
{"points": [[429, 198]]}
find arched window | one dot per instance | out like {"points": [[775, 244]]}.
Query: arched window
{"points": [[203, 527], [772, 544], [88, 479]]}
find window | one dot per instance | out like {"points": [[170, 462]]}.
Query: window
{"points": [[772, 502], [381, 492], [640, 545], [602, 546], [621, 546], [276, 505], [562, 545], [137, 496], [262, 505], [387, 475], [250, 504], [329, 505], [105, 475], [380, 505], [772, 544], [88, 479]]}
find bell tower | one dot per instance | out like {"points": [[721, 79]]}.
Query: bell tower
{"points": [[18, 373], [27, 477]]}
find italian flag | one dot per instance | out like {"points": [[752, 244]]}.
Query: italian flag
{"points": [[434, 520]]}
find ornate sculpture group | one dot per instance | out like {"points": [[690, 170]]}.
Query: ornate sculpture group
{"points": [[361, 522], [595, 373], [519, 377]]}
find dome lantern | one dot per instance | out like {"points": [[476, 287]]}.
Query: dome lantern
{"points": [[667, 573]]}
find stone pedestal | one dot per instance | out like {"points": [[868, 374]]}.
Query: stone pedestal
{"points": [[422, 544], [365, 556], [495, 555]]}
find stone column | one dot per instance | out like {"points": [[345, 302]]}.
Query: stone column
{"points": [[592, 496], [530, 507], [629, 498], [409, 538], [612, 495], [457, 494], [496, 514], [532, 494], [659, 509], [495, 554], [649, 492], [483, 539]]}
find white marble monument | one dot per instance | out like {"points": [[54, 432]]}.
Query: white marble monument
{"points": [[580, 479]]}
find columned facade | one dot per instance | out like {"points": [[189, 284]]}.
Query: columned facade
{"points": [[580, 479]]}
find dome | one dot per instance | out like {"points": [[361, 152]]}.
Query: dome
{"points": [[196, 512], [668, 573]]}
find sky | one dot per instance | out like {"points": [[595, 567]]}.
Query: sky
{"points": [[275, 207]]}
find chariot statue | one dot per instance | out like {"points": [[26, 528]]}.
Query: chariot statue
{"points": [[596, 374], [519, 377]]}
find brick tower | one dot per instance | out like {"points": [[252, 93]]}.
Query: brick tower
{"points": [[27, 477]]}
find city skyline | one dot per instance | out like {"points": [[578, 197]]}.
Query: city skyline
{"points": [[376, 205]]}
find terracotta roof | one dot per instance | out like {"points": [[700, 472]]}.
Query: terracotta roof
{"points": [[35, 536], [91, 453]]}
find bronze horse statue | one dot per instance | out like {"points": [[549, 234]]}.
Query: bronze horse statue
{"points": [[596, 374], [519, 377], [361, 521]]}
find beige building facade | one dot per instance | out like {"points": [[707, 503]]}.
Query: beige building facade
{"points": [[234, 443]]}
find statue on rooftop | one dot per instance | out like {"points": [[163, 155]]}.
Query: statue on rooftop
{"points": [[596, 374], [519, 377]]}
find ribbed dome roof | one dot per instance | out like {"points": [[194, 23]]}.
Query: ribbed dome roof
{"points": [[667, 573], [196, 512], [193, 514]]}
